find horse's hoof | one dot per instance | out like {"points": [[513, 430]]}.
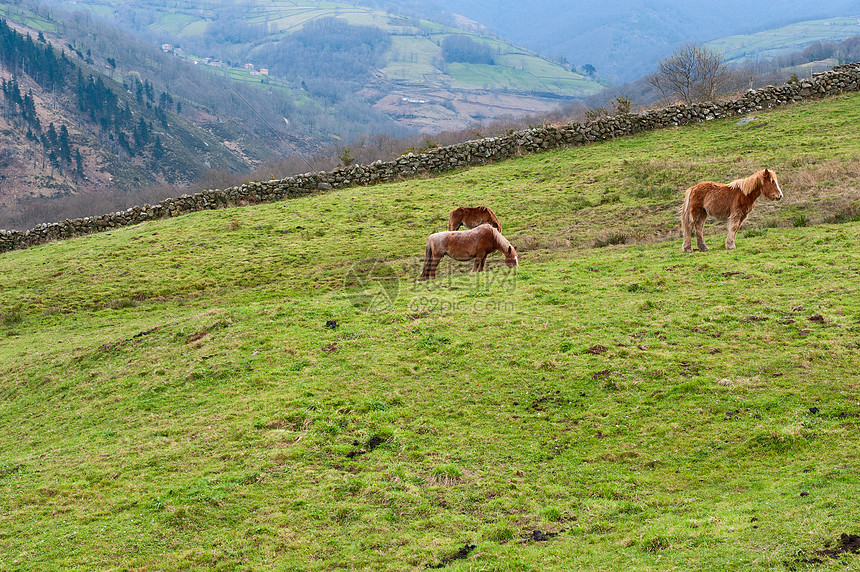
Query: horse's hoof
{"points": [[687, 249], [703, 248], [730, 246]]}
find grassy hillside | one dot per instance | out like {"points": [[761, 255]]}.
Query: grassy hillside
{"points": [[27, 18], [771, 43], [270, 387]]}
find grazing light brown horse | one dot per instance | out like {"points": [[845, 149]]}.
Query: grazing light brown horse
{"points": [[466, 245], [472, 217], [732, 202]]}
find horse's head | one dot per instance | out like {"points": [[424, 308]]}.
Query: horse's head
{"points": [[770, 186], [511, 258]]}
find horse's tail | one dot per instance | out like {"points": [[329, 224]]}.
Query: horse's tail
{"points": [[686, 214], [428, 259]]}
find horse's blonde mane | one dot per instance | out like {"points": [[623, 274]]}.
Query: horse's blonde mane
{"points": [[749, 184], [500, 239], [499, 236]]}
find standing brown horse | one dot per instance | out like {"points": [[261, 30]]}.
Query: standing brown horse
{"points": [[732, 202], [466, 245], [472, 217]]}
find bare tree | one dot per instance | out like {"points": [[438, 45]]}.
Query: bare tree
{"points": [[692, 73]]}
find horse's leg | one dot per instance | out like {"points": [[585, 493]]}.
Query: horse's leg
{"points": [[735, 222], [431, 261], [478, 266], [432, 264], [699, 225], [687, 246]]}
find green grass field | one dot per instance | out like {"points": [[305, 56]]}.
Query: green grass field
{"points": [[270, 387], [26, 17]]}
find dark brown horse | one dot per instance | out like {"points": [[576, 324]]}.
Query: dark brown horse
{"points": [[472, 217], [466, 245], [732, 202]]}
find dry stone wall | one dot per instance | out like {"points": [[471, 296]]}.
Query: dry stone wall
{"points": [[838, 80]]}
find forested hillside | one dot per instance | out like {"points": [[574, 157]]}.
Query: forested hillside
{"points": [[67, 128], [233, 88]]}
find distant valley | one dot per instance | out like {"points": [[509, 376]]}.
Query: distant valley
{"points": [[624, 39], [423, 75]]}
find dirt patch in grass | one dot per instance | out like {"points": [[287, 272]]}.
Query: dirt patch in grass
{"points": [[540, 536], [104, 348], [459, 555], [541, 403], [371, 444], [197, 336], [848, 544]]}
